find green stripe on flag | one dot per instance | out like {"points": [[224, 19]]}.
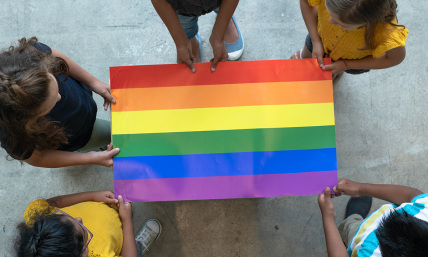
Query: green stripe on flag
{"points": [[225, 141]]}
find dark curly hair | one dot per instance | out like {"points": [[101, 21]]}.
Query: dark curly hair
{"points": [[24, 87], [50, 236], [368, 12]]}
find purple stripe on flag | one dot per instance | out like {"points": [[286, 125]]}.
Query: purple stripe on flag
{"points": [[246, 186]]}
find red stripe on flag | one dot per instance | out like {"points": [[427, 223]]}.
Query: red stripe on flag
{"points": [[171, 75]]}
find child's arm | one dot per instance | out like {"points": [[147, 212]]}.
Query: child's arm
{"points": [[182, 43], [72, 199], [310, 16], [57, 158], [78, 73], [393, 193], [129, 248], [389, 59], [227, 8], [335, 246]]}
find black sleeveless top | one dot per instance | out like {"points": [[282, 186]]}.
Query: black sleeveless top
{"points": [[194, 7]]}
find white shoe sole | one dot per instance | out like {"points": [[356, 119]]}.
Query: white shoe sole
{"points": [[233, 56]]}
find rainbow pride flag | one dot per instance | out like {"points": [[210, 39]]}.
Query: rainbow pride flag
{"points": [[250, 129]]}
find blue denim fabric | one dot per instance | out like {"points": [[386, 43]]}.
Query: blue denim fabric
{"points": [[189, 24], [139, 250], [309, 45]]}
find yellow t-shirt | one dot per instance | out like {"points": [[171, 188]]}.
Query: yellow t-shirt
{"points": [[102, 220], [348, 44]]}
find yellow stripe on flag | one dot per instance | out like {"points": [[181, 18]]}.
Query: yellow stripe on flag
{"points": [[224, 118]]}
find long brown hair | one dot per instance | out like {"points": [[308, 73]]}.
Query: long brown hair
{"points": [[368, 12], [24, 87]]}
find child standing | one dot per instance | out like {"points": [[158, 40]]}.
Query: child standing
{"points": [[83, 224], [358, 35], [181, 19], [398, 229], [47, 111]]}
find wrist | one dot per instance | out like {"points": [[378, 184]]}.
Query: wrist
{"points": [[327, 212], [126, 221], [92, 196], [346, 65], [317, 42], [128, 228], [181, 41], [361, 189], [181, 45], [90, 158], [316, 39], [92, 82], [328, 218], [215, 39]]}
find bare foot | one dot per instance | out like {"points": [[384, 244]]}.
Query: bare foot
{"points": [[231, 34], [195, 49]]}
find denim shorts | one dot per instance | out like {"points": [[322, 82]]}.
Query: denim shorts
{"points": [[190, 24], [309, 45]]}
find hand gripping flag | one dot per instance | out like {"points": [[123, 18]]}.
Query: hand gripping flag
{"points": [[249, 129]]}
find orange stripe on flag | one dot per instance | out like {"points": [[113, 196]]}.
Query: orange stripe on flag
{"points": [[186, 97]]}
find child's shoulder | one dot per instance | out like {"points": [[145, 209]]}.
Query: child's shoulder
{"points": [[35, 209], [390, 28], [388, 36]]}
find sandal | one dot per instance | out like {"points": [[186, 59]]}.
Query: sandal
{"points": [[297, 55]]}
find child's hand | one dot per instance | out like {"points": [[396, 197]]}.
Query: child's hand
{"points": [[185, 55], [347, 187], [326, 205], [104, 158], [125, 209], [105, 197], [336, 67], [318, 53], [103, 90], [219, 52]]}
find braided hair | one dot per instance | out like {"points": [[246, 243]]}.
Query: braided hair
{"points": [[51, 235], [24, 87]]}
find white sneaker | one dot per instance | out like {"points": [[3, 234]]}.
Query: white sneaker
{"points": [[148, 235]]}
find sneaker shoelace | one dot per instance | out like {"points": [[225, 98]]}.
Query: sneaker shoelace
{"points": [[145, 237]]}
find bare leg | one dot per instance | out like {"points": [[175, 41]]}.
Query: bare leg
{"points": [[306, 53], [195, 49], [231, 34]]}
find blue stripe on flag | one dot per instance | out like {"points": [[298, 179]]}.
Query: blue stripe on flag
{"points": [[224, 164]]}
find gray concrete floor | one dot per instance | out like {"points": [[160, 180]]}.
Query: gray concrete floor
{"points": [[381, 123]]}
